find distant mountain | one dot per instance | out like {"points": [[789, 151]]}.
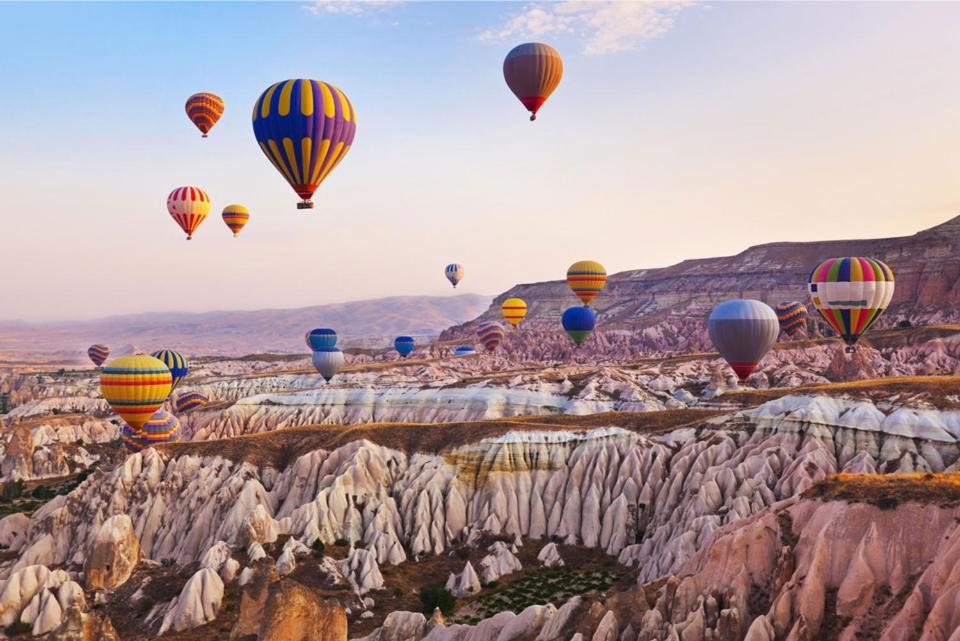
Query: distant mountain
{"points": [[665, 309], [360, 323]]}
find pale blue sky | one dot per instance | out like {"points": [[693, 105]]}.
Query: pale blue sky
{"points": [[677, 132]]}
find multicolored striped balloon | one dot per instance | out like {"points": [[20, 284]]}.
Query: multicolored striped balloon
{"points": [[176, 363], [490, 334], [532, 71], [163, 427], [204, 110], [851, 293], [586, 278], [235, 217], [792, 317], [189, 206], [404, 345], [98, 354], [321, 338], [743, 330], [514, 310], [579, 322], [454, 273], [305, 128], [191, 400], [135, 387]]}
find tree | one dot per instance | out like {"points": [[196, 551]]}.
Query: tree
{"points": [[435, 595]]}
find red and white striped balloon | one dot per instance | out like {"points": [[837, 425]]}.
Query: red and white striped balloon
{"points": [[189, 206]]}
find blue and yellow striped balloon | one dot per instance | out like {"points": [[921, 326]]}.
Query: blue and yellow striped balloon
{"points": [[176, 363], [191, 400], [135, 386], [792, 317], [235, 217], [490, 334], [304, 128]]}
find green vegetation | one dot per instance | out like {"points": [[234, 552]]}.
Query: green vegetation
{"points": [[435, 595], [14, 498], [555, 586], [318, 547], [17, 627]]}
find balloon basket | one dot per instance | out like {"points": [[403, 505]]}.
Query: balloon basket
{"points": [[306, 204], [851, 350]]}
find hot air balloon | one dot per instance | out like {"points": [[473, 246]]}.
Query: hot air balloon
{"points": [[579, 323], [188, 206], [204, 109], [792, 317], [851, 293], [305, 128], [235, 216], [743, 330], [514, 309], [463, 350], [176, 363], [454, 273], [586, 278], [328, 361], [321, 338], [135, 387], [490, 335], [532, 71], [98, 354], [163, 427], [404, 345], [191, 400]]}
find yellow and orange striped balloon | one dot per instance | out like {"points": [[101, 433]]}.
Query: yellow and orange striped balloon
{"points": [[135, 386], [235, 216], [204, 110], [586, 278], [514, 310]]}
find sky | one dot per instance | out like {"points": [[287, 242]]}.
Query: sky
{"points": [[679, 130]]}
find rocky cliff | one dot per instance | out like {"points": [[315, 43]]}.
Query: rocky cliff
{"points": [[656, 310]]}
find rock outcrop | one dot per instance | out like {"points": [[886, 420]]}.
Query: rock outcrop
{"points": [[113, 555]]}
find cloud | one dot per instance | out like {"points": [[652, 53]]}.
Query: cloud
{"points": [[349, 7], [604, 27]]}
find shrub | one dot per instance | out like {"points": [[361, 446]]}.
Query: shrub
{"points": [[341, 542], [435, 595], [904, 324], [18, 627], [463, 553], [41, 492], [166, 562], [146, 605], [318, 547], [11, 491]]}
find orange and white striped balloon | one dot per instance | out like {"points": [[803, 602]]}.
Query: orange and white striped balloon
{"points": [[189, 206]]}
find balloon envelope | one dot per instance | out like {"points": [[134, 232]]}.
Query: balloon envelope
{"points": [[404, 345], [135, 387], [204, 110], [321, 338], [579, 323], [191, 400], [463, 350], [490, 334], [98, 354], [792, 317], [851, 293], [328, 361], [514, 309], [176, 363], [454, 273], [188, 206], [743, 330], [532, 71], [304, 128], [586, 278], [163, 427], [235, 217]]}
